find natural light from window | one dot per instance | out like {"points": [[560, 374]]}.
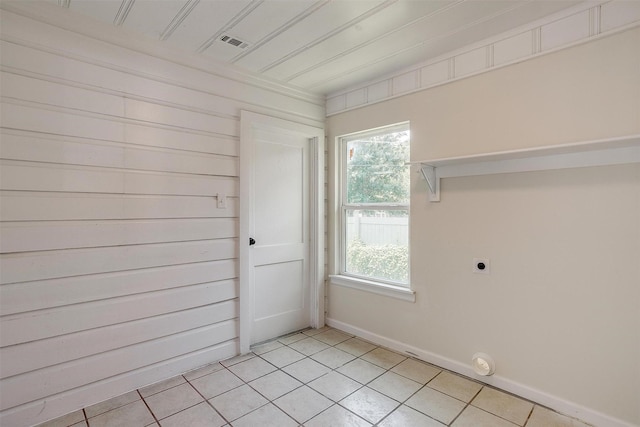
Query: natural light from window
{"points": [[375, 205]]}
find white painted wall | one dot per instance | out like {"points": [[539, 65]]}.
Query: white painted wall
{"points": [[568, 27], [117, 268], [560, 312]]}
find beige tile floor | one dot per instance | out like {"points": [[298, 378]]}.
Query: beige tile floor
{"points": [[317, 378]]}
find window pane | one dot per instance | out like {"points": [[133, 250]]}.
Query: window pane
{"points": [[377, 244], [376, 171]]}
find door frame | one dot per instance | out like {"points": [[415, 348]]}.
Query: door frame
{"points": [[249, 120]]}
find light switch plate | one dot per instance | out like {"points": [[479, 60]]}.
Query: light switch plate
{"points": [[222, 201]]}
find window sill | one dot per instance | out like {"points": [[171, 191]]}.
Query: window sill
{"points": [[397, 292]]}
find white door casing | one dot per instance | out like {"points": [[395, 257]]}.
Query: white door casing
{"points": [[281, 207]]}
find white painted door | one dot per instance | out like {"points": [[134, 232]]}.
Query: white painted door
{"points": [[281, 215]]}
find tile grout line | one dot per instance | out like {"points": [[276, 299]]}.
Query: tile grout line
{"points": [[529, 415], [490, 387], [467, 404], [269, 401], [147, 405], [303, 384], [426, 385], [331, 370], [386, 370], [205, 399], [186, 381], [404, 402], [277, 368]]}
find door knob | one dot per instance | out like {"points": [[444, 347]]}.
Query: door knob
{"points": [[252, 241]]}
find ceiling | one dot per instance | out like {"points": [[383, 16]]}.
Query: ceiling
{"points": [[320, 45]]}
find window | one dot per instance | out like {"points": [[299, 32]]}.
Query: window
{"points": [[374, 230]]}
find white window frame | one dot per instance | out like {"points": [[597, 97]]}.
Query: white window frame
{"points": [[343, 278]]}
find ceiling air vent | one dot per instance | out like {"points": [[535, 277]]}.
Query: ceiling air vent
{"points": [[234, 41]]}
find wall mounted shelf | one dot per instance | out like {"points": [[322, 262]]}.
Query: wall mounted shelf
{"points": [[613, 151]]}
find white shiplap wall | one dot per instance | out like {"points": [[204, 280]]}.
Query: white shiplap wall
{"points": [[117, 269]]}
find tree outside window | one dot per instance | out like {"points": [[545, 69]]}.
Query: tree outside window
{"points": [[376, 205]]}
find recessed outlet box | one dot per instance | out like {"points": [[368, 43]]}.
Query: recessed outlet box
{"points": [[482, 265]]}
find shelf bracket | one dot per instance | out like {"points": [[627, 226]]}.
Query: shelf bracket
{"points": [[433, 182]]}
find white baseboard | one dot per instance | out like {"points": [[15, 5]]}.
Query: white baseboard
{"points": [[63, 403], [562, 406]]}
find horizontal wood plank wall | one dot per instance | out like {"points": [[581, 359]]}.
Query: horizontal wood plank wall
{"points": [[117, 268]]}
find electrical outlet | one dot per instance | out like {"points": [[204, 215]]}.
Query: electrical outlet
{"points": [[482, 265]]}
